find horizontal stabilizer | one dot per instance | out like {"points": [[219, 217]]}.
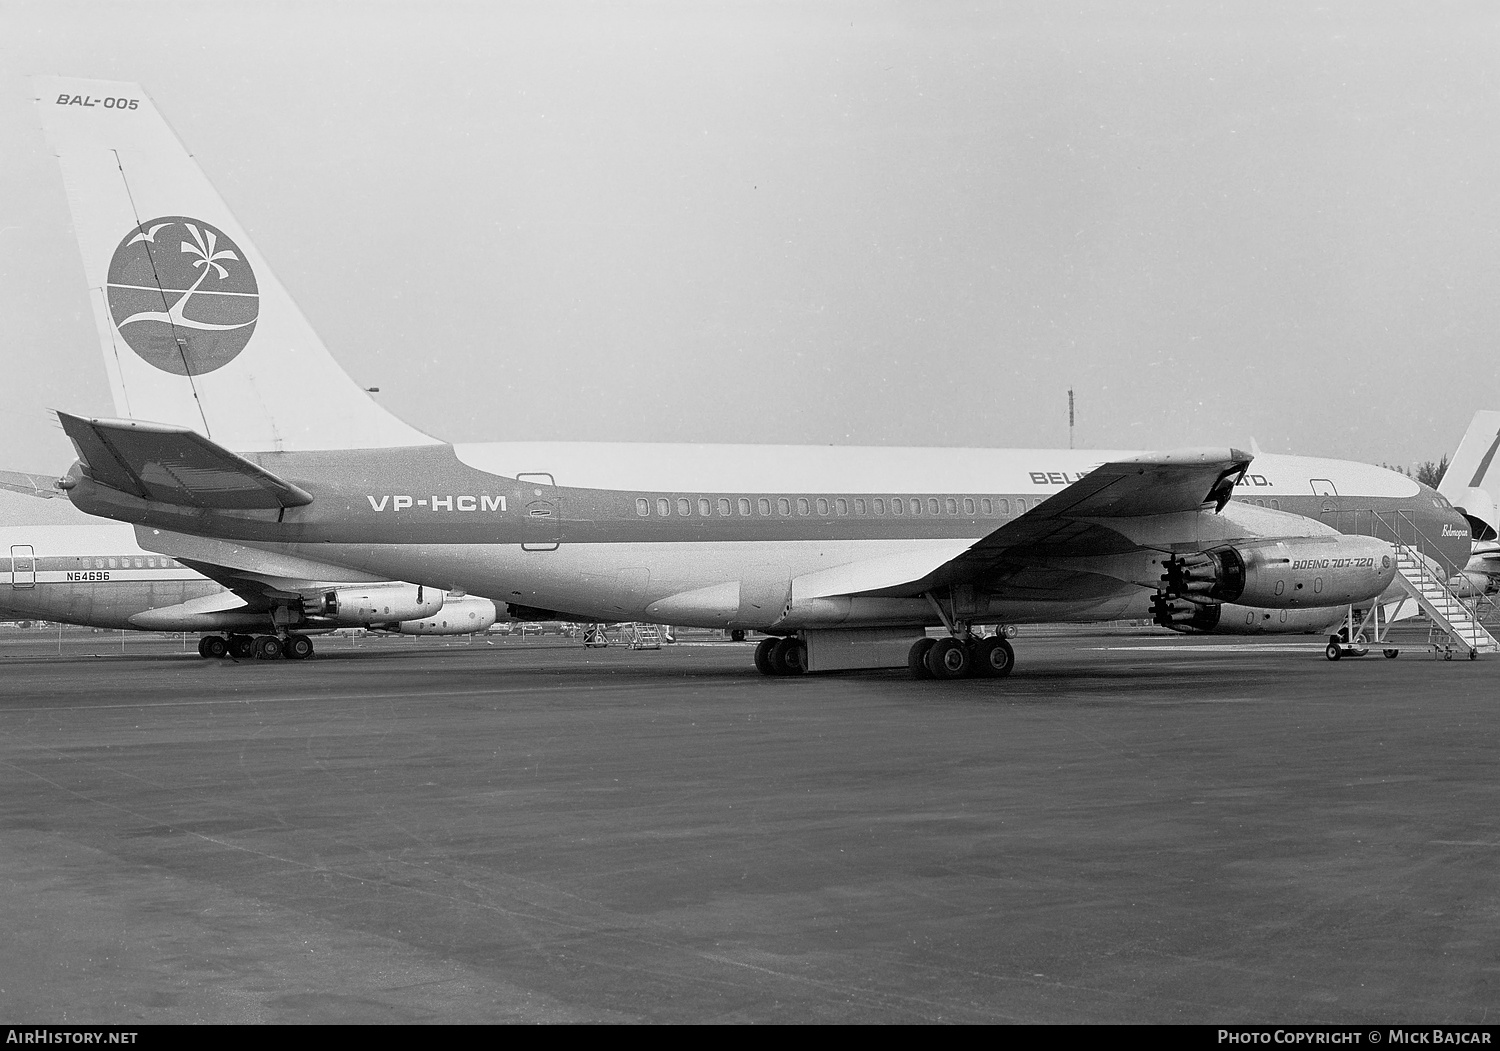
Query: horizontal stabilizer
{"points": [[39, 485], [174, 465]]}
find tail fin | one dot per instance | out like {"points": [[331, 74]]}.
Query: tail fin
{"points": [[1472, 481], [196, 330]]}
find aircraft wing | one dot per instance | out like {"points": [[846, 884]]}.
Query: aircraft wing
{"points": [[1097, 515], [174, 465]]}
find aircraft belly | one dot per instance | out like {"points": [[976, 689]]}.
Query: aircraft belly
{"points": [[697, 584]]}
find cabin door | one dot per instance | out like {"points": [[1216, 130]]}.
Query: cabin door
{"points": [[22, 566], [541, 508]]}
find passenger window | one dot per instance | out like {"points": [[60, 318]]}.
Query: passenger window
{"points": [[643, 507], [705, 507], [968, 505], [784, 506], [684, 506], [98, 563], [841, 506], [111, 563], [663, 507], [745, 506], [140, 563], [724, 507], [933, 506], [879, 506], [764, 505], [803, 507], [859, 507], [898, 506], [1004, 506], [822, 505], [1276, 505], [987, 506]]}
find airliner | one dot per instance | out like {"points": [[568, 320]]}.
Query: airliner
{"points": [[59, 564], [239, 437], [1471, 483]]}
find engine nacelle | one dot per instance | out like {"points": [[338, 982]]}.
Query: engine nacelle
{"points": [[460, 615], [1294, 573], [1226, 618], [360, 605]]}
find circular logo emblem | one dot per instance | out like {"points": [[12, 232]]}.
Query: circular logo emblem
{"points": [[182, 295]]}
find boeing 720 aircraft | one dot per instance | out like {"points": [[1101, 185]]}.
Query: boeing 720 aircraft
{"points": [[247, 444], [57, 563]]}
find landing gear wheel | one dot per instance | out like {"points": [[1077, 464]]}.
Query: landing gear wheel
{"points": [[1389, 654], [994, 658], [737, 635], [789, 657], [298, 647], [241, 647], [268, 648], [211, 646], [1334, 651], [763, 655], [916, 658], [949, 659], [1473, 654]]}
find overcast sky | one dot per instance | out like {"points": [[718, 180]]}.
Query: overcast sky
{"points": [[869, 223]]}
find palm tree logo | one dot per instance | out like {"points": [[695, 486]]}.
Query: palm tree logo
{"points": [[187, 311]]}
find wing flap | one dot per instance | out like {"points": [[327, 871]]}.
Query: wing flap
{"points": [[175, 465]]}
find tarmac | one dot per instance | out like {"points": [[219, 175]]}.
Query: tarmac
{"points": [[1129, 829]]}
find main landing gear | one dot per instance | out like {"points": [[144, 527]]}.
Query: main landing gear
{"points": [[969, 657], [263, 647], [786, 656]]}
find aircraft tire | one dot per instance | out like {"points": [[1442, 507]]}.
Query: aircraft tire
{"points": [[763, 655], [790, 656], [949, 659], [298, 647], [1333, 651], [1391, 653], [241, 647], [212, 646], [916, 658], [994, 658], [268, 648]]}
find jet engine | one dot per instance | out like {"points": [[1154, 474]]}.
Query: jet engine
{"points": [[460, 615], [360, 605], [1224, 618], [1283, 574]]}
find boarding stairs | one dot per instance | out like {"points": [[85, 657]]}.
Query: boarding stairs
{"points": [[1443, 608], [645, 637], [1453, 623]]}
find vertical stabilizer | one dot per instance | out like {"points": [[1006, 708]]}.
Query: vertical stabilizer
{"points": [[196, 330], [1472, 481]]}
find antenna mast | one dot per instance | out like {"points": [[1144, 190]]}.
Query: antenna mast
{"points": [[1070, 417]]}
